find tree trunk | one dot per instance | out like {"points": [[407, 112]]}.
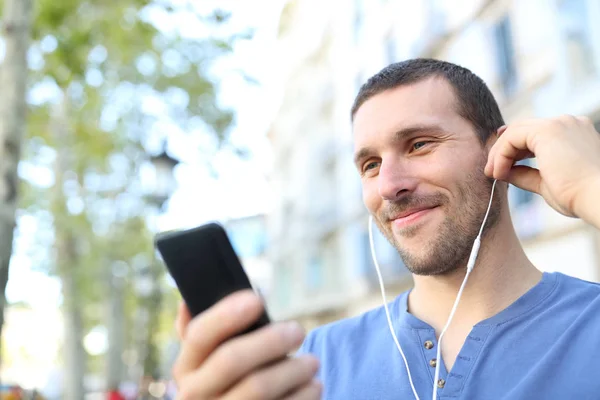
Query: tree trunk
{"points": [[116, 331], [149, 319], [73, 345], [68, 260], [152, 356], [18, 15]]}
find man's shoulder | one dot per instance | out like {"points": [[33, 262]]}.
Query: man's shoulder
{"points": [[577, 286], [575, 296]]}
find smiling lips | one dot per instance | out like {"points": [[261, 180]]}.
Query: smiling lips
{"points": [[411, 216]]}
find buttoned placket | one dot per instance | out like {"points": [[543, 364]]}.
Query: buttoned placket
{"points": [[450, 385]]}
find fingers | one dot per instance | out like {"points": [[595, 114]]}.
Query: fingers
{"points": [[501, 130], [514, 144], [501, 159], [525, 178], [517, 142], [239, 357], [204, 333], [212, 363], [312, 391], [585, 120], [275, 381], [183, 319]]}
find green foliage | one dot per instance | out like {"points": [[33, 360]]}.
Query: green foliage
{"points": [[99, 59]]}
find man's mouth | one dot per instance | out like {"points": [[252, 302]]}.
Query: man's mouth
{"points": [[410, 216]]}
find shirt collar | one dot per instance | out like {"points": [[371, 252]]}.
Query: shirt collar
{"points": [[526, 302]]}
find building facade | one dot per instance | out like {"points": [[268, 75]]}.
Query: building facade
{"points": [[540, 58], [248, 236]]}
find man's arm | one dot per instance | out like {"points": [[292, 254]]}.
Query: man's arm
{"points": [[567, 150]]}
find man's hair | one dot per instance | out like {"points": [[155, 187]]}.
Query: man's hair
{"points": [[475, 101]]}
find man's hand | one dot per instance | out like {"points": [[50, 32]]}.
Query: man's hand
{"points": [[567, 150], [213, 365]]}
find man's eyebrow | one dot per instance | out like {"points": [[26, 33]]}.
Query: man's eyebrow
{"points": [[399, 135], [411, 130], [363, 153]]}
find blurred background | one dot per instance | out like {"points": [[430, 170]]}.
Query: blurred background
{"points": [[123, 119]]}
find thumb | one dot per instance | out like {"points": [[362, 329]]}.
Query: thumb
{"points": [[526, 178]]}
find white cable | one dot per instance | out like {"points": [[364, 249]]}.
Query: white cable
{"points": [[470, 266], [387, 311]]}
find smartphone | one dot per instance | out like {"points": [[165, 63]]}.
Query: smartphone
{"points": [[205, 267]]}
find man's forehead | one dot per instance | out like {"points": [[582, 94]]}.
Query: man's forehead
{"points": [[433, 95], [430, 101]]}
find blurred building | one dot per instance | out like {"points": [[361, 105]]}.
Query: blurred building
{"points": [[540, 59], [319, 239], [248, 237]]}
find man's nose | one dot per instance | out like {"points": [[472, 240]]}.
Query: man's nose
{"points": [[394, 181]]}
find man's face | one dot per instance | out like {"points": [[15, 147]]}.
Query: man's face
{"points": [[421, 166]]}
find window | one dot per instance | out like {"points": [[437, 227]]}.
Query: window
{"points": [[391, 264], [520, 197], [283, 286], [331, 263], [579, 48], [390, 49], [507, 69], [359, 19], [358, 82], [528, 218], [314, 272], [248, 237]]}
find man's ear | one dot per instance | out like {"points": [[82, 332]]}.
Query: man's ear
{"points": [[501, 130], [493, 137]]}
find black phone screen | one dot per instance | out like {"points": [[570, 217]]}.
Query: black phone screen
{"points": [[204, 266]]}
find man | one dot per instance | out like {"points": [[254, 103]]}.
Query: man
{"points": [[428, 139]]}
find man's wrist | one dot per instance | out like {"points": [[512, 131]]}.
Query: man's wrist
{"points": [[589, 208]]}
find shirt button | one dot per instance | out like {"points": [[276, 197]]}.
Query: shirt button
{"points": [[428, 345], [433, 362], [441, 383]]}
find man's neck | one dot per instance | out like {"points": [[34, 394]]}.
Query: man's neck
{"points": [[502, 274]]}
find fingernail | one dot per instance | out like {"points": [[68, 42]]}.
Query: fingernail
{"points": [[317, 383], [311, 362], [293, 331]]}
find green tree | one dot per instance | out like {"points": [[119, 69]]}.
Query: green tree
{"points": [[13, 77], [102, 63]]}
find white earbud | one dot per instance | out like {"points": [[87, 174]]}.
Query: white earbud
{"points": [[470, 266]]}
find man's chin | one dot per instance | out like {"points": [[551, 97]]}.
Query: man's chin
{"points": [[423, 263], [434, 270], [416, 235]]}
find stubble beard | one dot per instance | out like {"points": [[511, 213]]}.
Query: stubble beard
{"points": [[450, 248]]}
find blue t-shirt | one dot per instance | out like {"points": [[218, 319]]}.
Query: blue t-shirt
{"points": [[546, 345]]}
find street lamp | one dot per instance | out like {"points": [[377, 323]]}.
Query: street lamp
{"points": [[164, 180], [148, 285], [148, 289]]}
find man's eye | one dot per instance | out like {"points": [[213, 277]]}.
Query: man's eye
{"points": [[371, 165], [418, 145]]}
